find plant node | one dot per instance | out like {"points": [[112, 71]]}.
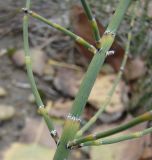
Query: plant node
{"points": [[109, 53], [73, 118], [26, 11], [110, 32]]}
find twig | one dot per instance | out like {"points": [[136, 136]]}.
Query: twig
{"points": [[92, 21], [116, 139], [36, 94], [140, 119], [78, 39], [64, 65]]}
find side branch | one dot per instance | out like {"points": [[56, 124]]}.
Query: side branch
{"points": [[92, 21], [77, 38], [142, 118], [105, 141], [31, 78]]}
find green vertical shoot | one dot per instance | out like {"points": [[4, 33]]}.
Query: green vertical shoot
{"points": [[88, 81], [92, 21], [116, 82]]}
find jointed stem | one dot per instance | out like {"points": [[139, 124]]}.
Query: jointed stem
{"points": [[72, 123], [43, 111], [38, 99], [92, 21], [117, 139], [89, 79], [77, 38], [28, 59], [142, 118], [113, 88]]}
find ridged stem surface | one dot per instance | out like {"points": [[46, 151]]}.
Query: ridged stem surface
{"points": [[89, 79], [140, 119], [106, 141], [116, 82], [77, 38], [93, 23]]}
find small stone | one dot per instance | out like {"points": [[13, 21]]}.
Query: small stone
{"points": [[3, 51], [19, 58], [3, 92], [31, 98], [135, 69], [6, 112], [38, 59]]}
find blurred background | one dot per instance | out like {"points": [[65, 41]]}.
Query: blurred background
{"points": [[59, 65]]}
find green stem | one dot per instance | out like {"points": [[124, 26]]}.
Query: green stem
{"points": [[77, 38], [43, 111], [113, 88], [98, 60], [142, 118], [28, 3], [28, 59], [31, 77], [117, 139], [92, 21], [88, 81]]}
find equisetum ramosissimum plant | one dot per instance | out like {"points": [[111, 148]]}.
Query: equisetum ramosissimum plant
{"points": [[73, 136]]}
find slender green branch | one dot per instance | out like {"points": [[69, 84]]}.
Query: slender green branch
{"points": [[117, 139], [43, 111], [92, 21], [77, 38], [38, 99], [28, 62], [113, 88], [142, 118], [28, 3], [70, 128]]}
